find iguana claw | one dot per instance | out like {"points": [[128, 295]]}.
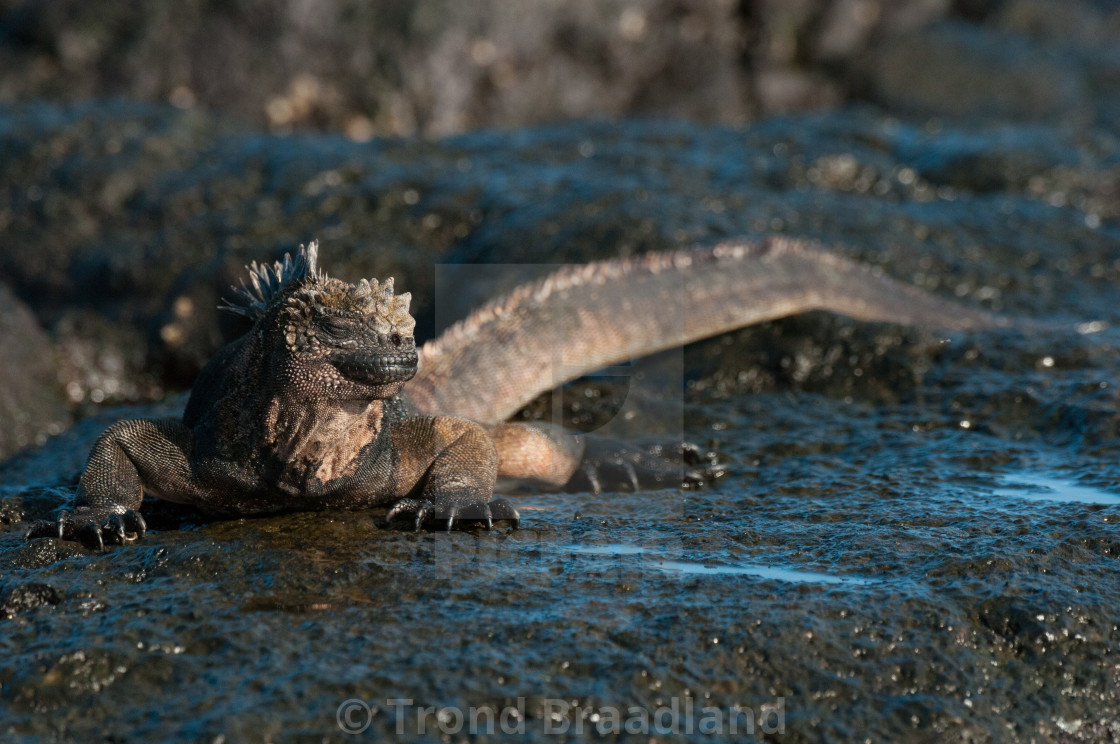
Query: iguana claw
{"points": [[116, 529], [424, 511]]}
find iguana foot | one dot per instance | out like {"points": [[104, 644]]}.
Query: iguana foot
{"points": [[426, 512], [612, 465], [81, 527]]}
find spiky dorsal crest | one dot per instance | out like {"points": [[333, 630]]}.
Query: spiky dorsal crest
{"points": [[266, 282]]}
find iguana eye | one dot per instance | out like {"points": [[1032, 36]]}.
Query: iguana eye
{"points": [[336, 326]]}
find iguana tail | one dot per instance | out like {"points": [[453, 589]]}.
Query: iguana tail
{"points": [[580, 319]]}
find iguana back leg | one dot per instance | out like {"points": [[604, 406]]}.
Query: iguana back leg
{"points": [[127, 459], [446, 472], [554, 456]]}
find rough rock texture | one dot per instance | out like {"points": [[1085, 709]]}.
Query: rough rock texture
{"points": [[31, 401], [916, 538], [151, 213]]}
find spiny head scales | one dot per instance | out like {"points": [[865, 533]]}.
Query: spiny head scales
{"points": [[266, 282], [386, 311], [301, 289]]}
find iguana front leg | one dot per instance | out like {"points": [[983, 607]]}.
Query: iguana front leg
{"points": [[585, 462], [127, 459], [446, 473]]}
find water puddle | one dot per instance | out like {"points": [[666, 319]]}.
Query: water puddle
{"points": [[1035, 487], [689, 568]]}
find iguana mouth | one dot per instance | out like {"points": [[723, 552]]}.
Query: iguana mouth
{"points": [[377, 369]]}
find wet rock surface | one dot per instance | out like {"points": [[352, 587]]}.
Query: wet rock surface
{"points": [[916, 538]]}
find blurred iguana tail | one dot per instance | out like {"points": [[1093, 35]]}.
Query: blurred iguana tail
{"points": [[582, 318]]}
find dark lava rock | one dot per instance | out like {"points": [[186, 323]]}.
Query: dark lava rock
{"points": [[423, 66], [26, 597], [31, 400], [152, 213], [1014, 60], [962, 71], [435, 67], [916, 538]]}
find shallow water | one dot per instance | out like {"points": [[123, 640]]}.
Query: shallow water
{"points": [[651, 560], [1044, 487]]}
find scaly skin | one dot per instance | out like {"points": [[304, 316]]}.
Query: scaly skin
{"points": [[320, 406], [583, 318], [301, 413]]}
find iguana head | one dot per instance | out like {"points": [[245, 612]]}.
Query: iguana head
{"points": [[324, 338]]}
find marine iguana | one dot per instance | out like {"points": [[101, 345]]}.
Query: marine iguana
{"points": [[326, 403]]}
